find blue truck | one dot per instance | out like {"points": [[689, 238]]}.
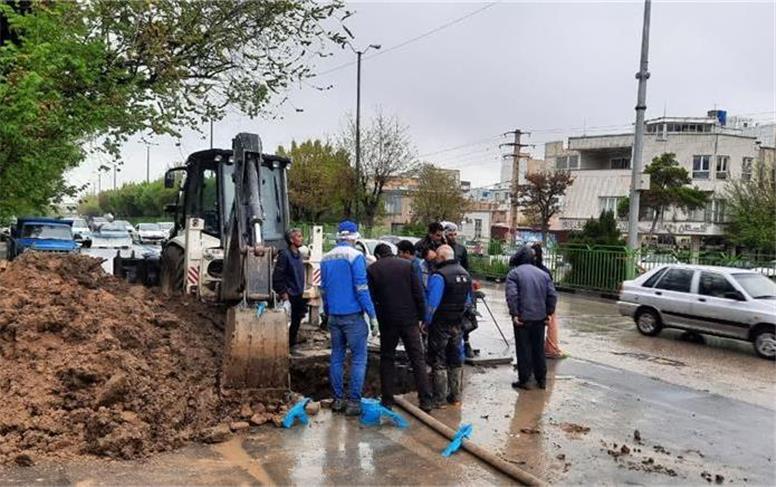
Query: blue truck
{"points": [[41, 234]]}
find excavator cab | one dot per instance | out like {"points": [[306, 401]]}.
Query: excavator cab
{"points": [[230, 222]]}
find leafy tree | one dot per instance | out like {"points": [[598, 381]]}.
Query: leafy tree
{"points": [[751, 207], [131, 200], [596, 255], [386, 152], [601, 231], [668, 188], [318, 181], [438, 196], [78, 75], [541, 196]]}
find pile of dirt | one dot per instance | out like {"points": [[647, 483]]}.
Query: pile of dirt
{"points": [[93, 365]]}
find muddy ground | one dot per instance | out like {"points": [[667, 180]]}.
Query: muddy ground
{"points": [[94, 366]]}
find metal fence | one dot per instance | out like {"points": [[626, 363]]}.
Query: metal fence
{"points": [[603, 268]]}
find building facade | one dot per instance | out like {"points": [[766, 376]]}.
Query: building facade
{"points": [[712, 152]]}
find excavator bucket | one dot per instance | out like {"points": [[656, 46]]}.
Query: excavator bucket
{"points": [[256, 352]]}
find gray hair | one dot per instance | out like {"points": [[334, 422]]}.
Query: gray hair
{"points": [[446, 252], [290, 232]]}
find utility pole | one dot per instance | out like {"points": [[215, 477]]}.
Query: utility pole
{"points": [[638, 139], [211, 133], [115, 170], [515, 182], [148, 163], [358, 132], [358, 119]]}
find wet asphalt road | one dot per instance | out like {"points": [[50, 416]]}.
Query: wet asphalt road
{"points": [[701, 411]]}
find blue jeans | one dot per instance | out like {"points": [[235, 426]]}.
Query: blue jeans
{"points": [[349, 331]]}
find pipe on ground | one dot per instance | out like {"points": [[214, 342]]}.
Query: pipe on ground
{"points": [[512, 471]]}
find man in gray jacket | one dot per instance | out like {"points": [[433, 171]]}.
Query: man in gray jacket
{"points": [[531, 298]]}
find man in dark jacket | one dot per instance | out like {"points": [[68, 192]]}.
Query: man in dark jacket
{"points": [[427, 246], [400, 305], [449, 289], [531, 298], [288, 281], [462, 257]]}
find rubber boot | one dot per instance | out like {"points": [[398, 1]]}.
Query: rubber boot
{"points": [[439, 380], [467, 350], [455, 385]]}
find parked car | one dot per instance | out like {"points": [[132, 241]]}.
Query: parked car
{"points": [[367, 247], [767, 269], [126, 225], [168, 227], [721, 301], [96, 222], [150, 233], [113, 238], [395, 239], [81, 231], [41, 234]]}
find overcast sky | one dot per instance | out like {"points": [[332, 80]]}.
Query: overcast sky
{"points": [[547, 67]]}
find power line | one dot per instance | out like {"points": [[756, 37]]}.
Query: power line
{"points": [[462, 146], [413, 39]]}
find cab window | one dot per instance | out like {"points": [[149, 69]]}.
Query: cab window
{"points": [[208, 202], [715, 285], [676, 280]]}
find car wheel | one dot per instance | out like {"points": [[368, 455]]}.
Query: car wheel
{"points": [[171, 278], [765, 343], [648, 322]]}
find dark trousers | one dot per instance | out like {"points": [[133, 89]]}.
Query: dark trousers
{"points": [[409, 333], [298, 310], [529, 345], [444, 345]]}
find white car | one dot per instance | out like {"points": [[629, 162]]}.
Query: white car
{"points": [[721, 301], [168, 227], [150, 233], [81, 230], [367, 247]]}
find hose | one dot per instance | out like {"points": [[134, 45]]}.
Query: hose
{"points": [[512, 471]]}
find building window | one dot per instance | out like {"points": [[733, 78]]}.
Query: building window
{"points": [[562, 162], [609, 203], [716, 211], [573, 162], [700, 167], [620, 163], [393, 204], [723, 165], [477, 228], [746, 169]]}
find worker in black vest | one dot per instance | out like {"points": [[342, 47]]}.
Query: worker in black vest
{"points": [[449, 289]]}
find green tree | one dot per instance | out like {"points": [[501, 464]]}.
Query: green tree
{"points": [[601, 231], [541, 197], [668, 188], [438, 196], [751, 208], [131, 200], [92, 73], [597, 255], [319, 180]]}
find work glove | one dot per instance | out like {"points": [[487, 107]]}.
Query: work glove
{"points": [[374, 327]]}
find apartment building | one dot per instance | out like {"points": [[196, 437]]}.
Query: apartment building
{"points": [[712, 151]]}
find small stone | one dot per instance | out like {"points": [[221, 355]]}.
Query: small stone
{"points": [[277, 420], [719, 478], [260, 408], [239, 426], [312, 408], [216, 434], [23, 460], [561, 456], [113, 390], [259, 419], [246, 411], [637, 435], [624, 449]]}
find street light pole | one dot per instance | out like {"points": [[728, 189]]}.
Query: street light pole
{"points": [[638, 138], [358, 119], [148, 163]]}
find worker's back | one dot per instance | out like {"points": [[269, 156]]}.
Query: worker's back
{"points": [[396, 291], [343, 281]]}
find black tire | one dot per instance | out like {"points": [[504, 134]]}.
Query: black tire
{"points": [[172, 272], [648, 322], [764, 342]]}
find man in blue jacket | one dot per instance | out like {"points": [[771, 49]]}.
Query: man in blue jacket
{"points": [[345, 300], [531, 298], [449, 289], [288, 281]]}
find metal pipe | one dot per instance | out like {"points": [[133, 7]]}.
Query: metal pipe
{"points": [[520, 475], [494, 321]]}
